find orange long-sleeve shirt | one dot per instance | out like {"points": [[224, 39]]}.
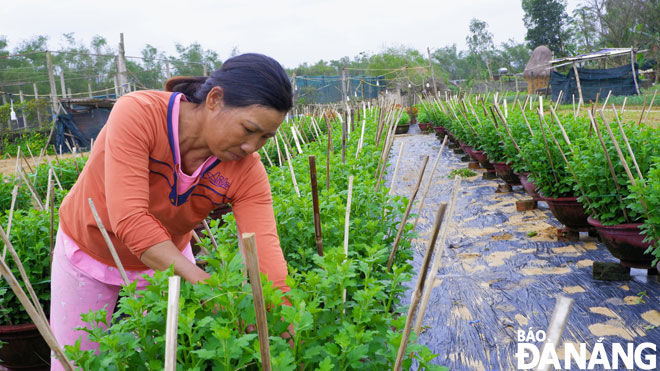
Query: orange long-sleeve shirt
{"points": [[130, 177]]}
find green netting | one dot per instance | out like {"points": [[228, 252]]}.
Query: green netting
{"points": [[327, 89]]}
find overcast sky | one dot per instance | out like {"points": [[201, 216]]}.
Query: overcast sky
{"points": [[291, 31]]}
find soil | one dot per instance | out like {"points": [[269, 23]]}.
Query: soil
{"points": [[502, 270]]}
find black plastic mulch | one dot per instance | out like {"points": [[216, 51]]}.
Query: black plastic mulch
{"points": [[495, 279]]}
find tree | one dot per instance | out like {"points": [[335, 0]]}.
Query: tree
{"points": [[546, 22], [480, 42]]}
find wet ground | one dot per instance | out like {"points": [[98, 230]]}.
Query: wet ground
{"points": [[502, 271]]}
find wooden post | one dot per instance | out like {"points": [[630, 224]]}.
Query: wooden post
{"points": [[295, 138], [108, 241], [14, 195], [344, 97], [62, 85], [577, 80], [89, 90], [632, 65], [327, 161], [438, 255], [116, 87], [428, 184], [68, 93], [252, 264], [168, 72], [51, 186], [315, 204], [396, 168], [293, 174], [650, 105], [36, 98], [435, 88], [361, 141], [21, 98], [33, 192], [172, 324], [122, 72], [556, 326], [404, 218], [347, 224], [208, 231], [53, 88], [421, 280]]}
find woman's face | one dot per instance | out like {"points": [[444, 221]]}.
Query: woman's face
{"points": [[232, 133]]}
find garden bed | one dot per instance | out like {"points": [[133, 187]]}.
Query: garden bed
{"points": [[502, 271]]}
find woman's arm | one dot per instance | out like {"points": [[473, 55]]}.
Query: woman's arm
{"points": [[161, 255]]}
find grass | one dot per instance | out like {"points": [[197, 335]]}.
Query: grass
{"points": [[463, 173]]}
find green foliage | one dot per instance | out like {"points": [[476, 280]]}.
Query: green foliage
{"points": [[30, 236], [404, 119], [34, 139], [7, 183], [463, 173], [646, 199], [362, 332], [546, 24]]}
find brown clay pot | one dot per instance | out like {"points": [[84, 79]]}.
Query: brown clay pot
{"points": [[24, 348], [528, 186], [424, 126], [625, 242], [568, 211], [440, 131], [504, 171], [482, 158], [402, 129]]}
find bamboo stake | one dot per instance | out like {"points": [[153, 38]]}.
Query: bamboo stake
{"points": [[267, 157], [404, 218], [419, 287], [428, 184], [559, 97], [650, 105], [609, 94], [609, 163], [547, 149], [293, 174], [295, 138], [57, 179], [347, 225], [42, 324], [624, 163], [108, 241], [208, 231], [50, 179], [625, 139], [522, 110], [327, 161], [33, 192], [318, 234], [561, 127], [199, 243], [252, 264], [14, 194], [51, 189], [396, 167], [172, 324], [623, 106], [556, 326], [643, 109], [361, 141], [428, 285]]}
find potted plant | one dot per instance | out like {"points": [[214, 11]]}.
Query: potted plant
{"points": [[607, 196], [412, 113], [402, 125], [23, 346], [644, 199], [424, 120]]}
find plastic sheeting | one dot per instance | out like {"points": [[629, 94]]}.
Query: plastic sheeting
{"points": [[502, 271], [594, 82]]}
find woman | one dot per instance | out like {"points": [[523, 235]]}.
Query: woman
{"points": [[162, 162]]}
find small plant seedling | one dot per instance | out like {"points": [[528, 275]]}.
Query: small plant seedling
{"points": [[531, 233], [641, 296], [463, 173]]}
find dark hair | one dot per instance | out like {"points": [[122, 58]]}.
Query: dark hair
{"points": [[245, 79]]}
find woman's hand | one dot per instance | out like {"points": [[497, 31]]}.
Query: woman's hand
{"points": [[161, 255]]}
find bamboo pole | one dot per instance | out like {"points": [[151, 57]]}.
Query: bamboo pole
{"points": [[172, 324], [327, 161], [361, 141], [428, 184], [611, 167], [14, 194], [199, 243], [48, 190], [404, 218], [267, 157], [650, 105], [57, 179], [421, 280], [33, 192], [318, 234], [643, 109], [625, 139], [42, 324], [556, 326], [208, 231], [547, 148], [51, 189], [108, 241], [561, 127], [252, 264], [279, 153], [622, 158], [428, 285], [293, 174], [347, 224], [396, 168], [295, 139]]}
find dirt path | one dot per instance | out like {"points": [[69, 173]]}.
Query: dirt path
{"points": [[8, 166], [496, 280]]}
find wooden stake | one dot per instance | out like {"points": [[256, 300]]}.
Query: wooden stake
{"points": [[643, 109], [48, 190], [172, 324], [267, 157], [208, 231], [279, 153], [556, 326], [625, 139], [295, 138], [347, 225], [404, 218], [42, 324], [293, 174], [547, 148], [609, 163], [108, 241], [419, 288], [428, 184], [33, 192], [199, 243], [650, 105], [51, 187], [14, 194], [361, 141], [315, 204], [428, 285], [252, 264], [327, 161], [396, 168]]}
